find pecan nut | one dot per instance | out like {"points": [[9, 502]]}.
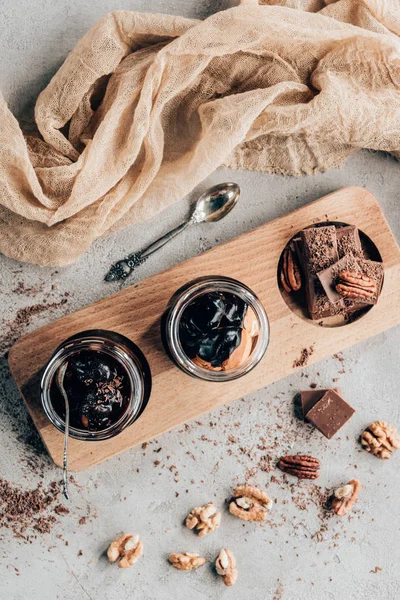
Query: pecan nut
{"points": [[290, 274], [381, 439], [356, 285], [303, 467], [225, 565], [186, 561], [249, 503], [344, 497], [204, 519], [127, 548]]}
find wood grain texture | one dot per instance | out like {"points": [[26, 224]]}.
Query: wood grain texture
{"points": [[136, 311]]}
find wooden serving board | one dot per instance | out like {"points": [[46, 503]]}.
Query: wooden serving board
{"points": [[136, 311]]}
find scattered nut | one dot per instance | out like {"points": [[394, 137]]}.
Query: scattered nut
{"points": [[381, 439], [225, 566], [344, 497], [127, 548], [290, 275], [303, 467], [186, 561], [358, 286], [204, 519], [249, 503]]}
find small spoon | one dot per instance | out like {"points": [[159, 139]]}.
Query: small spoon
{"points": [[213, 205], [60, 384]]}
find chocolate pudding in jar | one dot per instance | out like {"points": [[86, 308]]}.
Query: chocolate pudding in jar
{"points": [[215, 328], [99, 389], [107, 382]]}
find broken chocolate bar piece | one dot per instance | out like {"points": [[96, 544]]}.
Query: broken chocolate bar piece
{"points": [[329, 277], [330, 413], [373, 269], [318, 304], [319, 248], [309, 398], [348, 241]]}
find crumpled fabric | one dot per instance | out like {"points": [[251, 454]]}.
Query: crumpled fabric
{"points": [[148, 105]]}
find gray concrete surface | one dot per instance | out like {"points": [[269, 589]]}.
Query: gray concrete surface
{"points": [[295, 555]]}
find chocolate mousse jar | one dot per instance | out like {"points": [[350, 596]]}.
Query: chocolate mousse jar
{"points": [[215, 328], [107, 381]]}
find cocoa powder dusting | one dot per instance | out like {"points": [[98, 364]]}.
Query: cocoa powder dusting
{"points": [[15, 328]]}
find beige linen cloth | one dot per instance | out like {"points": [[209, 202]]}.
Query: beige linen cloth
{"points": [[146, 106]]}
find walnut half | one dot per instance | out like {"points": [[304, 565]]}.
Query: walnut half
{"points": [[249, 503], [204, 519], [344, 497], [127, 548], [186, 561], [381, 439], [225, 565]]}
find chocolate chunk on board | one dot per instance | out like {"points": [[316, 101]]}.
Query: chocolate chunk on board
{"points": [[318, 304], [319, 248], [348, 241], [329, 277], [373, 269], [309, 398], [330, 414]]}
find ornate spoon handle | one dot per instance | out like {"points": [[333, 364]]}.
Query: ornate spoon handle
{"points": [[123, 268]]}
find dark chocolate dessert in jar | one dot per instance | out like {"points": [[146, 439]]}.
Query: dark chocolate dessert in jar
{"points": [[107, 381], [215, 328]]}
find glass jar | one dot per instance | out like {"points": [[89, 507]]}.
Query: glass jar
{"points": [[120, 349], [180, 302]]}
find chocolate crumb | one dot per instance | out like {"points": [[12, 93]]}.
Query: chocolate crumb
{"points": [[302, 360], [61, 510]]}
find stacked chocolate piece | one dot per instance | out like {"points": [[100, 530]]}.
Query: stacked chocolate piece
{"points": [[326, 410], [335, 272]]}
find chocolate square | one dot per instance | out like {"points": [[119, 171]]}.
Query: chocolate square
{"points": [[319, 248], [330, 413], [373, 269], [348, 241], [322, 241], [329, 277], [309, 398]]}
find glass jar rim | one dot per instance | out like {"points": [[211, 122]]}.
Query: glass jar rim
{"points": [[181, 300], [94, 340]]}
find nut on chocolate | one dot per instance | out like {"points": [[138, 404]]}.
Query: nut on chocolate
{"points": [[381, 439], [345, 496], [290, 274], [356, 285], [301, 466], [249, 503]]}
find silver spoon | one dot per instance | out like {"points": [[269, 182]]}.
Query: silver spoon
{"points": [[214, 204], [60, 384]]}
